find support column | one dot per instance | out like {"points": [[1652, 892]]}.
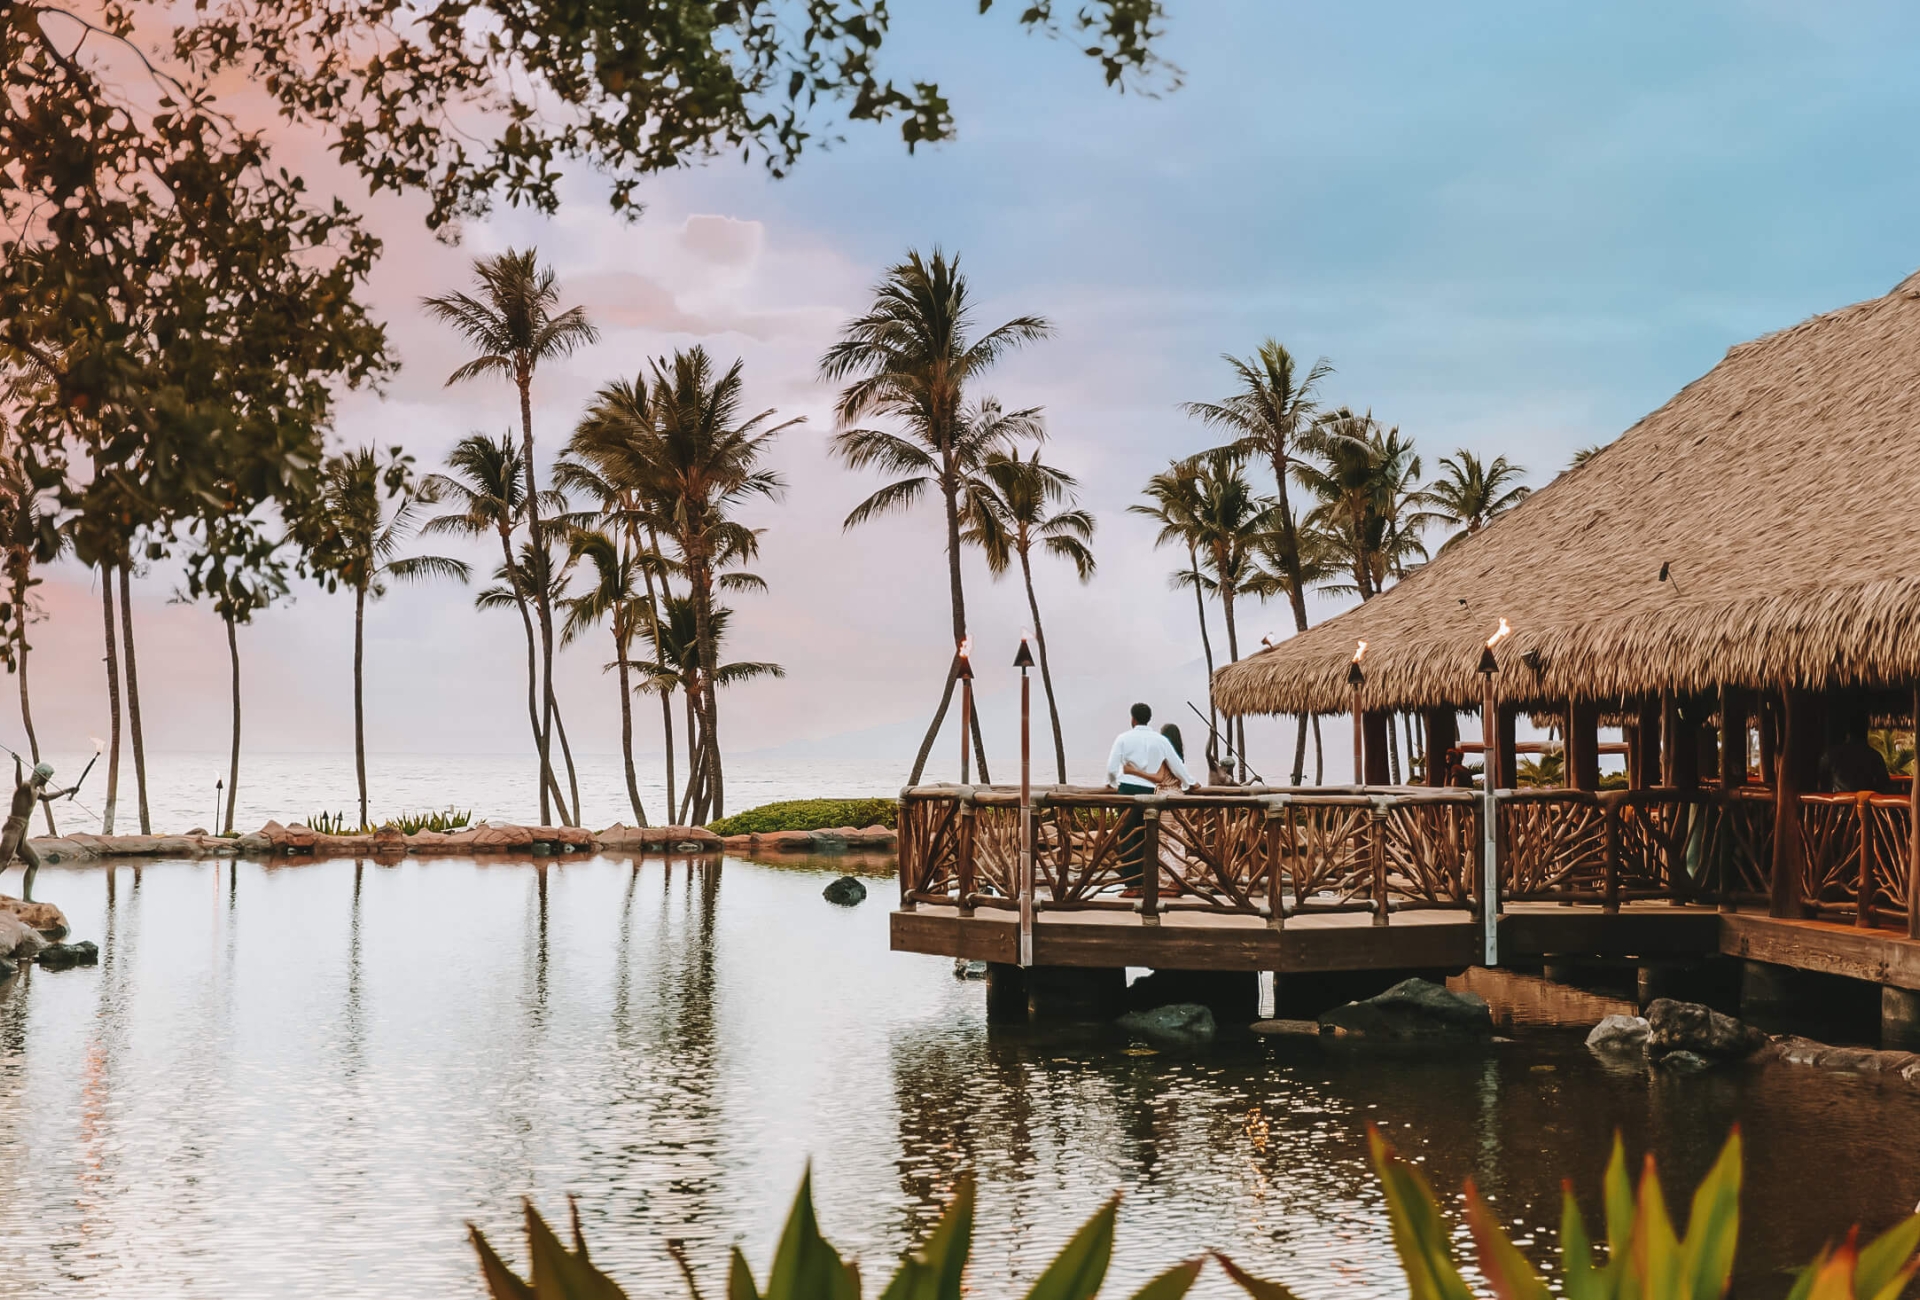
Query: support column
{"points": [[1006, 992], [1643, 763], [1375, 724], [1735, 708], [1799, 763], [1076, 992], [1509, 717], [1583, 745], [1899, 1018], [1443, 733]]}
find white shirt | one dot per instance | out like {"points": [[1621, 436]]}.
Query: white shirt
{"points": [[1146, 749]]}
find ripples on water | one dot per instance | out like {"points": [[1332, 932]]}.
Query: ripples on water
{"points": [[302, 1082]]}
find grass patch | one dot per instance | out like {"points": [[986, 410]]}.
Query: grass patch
{"points": [[807, 815]]}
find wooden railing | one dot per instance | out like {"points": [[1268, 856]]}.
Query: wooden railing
{"points": [[1260, 852], [1280, 853]]}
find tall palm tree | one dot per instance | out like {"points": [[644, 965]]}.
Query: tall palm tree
{"points": [[909, 359], [361, 544], [486, 486], [691, 455], [1229, 520], [612, 595], [534, 571], [515, 324], [1367, 499], [1470, 493], [1173, 502], [1271, 416], [1316, 562], [1010, 512]]}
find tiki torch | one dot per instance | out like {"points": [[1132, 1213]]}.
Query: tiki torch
{"points": [[1356, 679], [1023, 661], [99, 747], [966, 704], [1490, 782]]}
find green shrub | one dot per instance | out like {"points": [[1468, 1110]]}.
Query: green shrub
{"points": [[1646, 1258], [335, 824], [807, 815], [448, 819]]}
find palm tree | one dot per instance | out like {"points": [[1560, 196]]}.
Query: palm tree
{"points": [[1010, 512], [486, 484], [1316, 562], [690, 455], [909, 359], [1470, 494], [676, 662], [1367, 499], [1173, 502], [531, 574], [611, 596], [1272, 416], [514, 326], [1228, 523], [360, 547]]}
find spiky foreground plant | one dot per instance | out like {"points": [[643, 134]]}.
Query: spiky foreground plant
{"points": [[1646, 1258]]}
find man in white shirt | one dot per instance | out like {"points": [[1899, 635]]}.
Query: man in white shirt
{"points": [[1145, 750], [1148, 751]]}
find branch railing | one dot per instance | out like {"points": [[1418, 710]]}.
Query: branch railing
{"points": [[1278, 853]]}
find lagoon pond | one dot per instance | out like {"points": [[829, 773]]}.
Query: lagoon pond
{"points": [[304, 1080]]}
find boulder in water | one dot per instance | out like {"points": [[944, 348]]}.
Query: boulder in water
{"points": [[44, 917], [1178, 1024], [1415, 1008], [7, 969], [1702, 1031], [846, 892], [969, 970], [1620, 1034], [18, 939], [60, 956], [1682, 1061]]}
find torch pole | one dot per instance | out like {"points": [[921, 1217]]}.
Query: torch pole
{"points": [[966, 721], [1026, 820], [1490, 777], [1359, 739]]}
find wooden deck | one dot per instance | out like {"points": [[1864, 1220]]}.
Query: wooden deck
{"points": [[1328, 942]]}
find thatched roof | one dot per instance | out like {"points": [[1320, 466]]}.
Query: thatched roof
{"points": [[1783, 487]]}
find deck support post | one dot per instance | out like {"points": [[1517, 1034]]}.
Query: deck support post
{"points": [[1899, 1018], [1006, 992], [1583, 744], [1276, 826], [1798, 763], [1863, 878], [1149, 904], [1377, 860], [1375, 723], [1913, 838], [1491, 758], [963, 879], [1643, 756], [909, 870], [1610, 855], [1443, 733], [1735, 705]]}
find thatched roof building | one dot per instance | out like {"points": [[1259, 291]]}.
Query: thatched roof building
{"points": [[1782, 489]]}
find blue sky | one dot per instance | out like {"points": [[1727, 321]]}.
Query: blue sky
{"points": [[1513, 227]]}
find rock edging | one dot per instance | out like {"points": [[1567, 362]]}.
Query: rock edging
{"points": [[277, 840], [837, 839]]}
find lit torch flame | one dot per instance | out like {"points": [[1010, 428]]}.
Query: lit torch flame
{"points": [[1360, 652], [1500, 635], [966, 648], [99, 745]]}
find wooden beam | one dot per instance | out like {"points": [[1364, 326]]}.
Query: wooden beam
{"points": [[1443, 733], [1643, 763], [1509, 717], [1877, 956], [1375, 724], [1799, 761], [1583, 745]]}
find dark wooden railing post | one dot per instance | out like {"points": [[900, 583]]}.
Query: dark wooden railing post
{"points": [[904, 837], [1863, 887], [1276, 867], [1377, 860], [1797, 763], [963, 856], [1679, 879], [1149, 904], [1610, 860], [1913, 837]]}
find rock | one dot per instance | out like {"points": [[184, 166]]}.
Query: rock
{"points": [[342, 845], [1912, 1074], [7, 969], [62, 849], [1285, 1028], [198, 830], [871, 838], [1798, 1051], [785, 841], [846, 892], [389, 839], [1690, 1027], [1681, 1061], [496, 839], [18, 939], [737, 843], [1179, 1024], [1416, 1008], [288, 839], [1619, 1034], [621, 838], [60, 956], [427, 841], [255, 843], [44, 917], [969, 970]]}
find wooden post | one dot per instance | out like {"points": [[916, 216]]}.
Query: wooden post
{"points": [[1610, 859], [1734, 707], [904, 837], [1359, 729], [1377, 860], [1509, 753], [966, 718], [963, 857], [1583, 744], [1682, 737], [1913, 835], [1376, 722], [1025, 883], [1443, 733], [1767, 711], [1150, 866], [1646, 746], [1799, 743], [1863, 886], [1276, 903]]}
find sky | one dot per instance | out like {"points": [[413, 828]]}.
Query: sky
{"points": [[1510, 227]]}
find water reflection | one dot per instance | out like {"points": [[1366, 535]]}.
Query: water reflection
{"points": [[302, 1083]]}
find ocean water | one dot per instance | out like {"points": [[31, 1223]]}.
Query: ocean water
{"points": [[499, 787], [304, 1080]]}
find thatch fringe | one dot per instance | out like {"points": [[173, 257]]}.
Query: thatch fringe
{"points": [[1783, 489]]}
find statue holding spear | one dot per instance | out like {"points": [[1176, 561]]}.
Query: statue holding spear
{"points": [[27, 794]]}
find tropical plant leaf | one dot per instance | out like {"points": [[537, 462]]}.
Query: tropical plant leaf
{"points": [[1833, 1279], [1618, 1193], [1172, 1284], [502, 1282], [1077, 1272], [1578, 1277], [1713, 1226], [740, 1285], [1505, 1268], [560, 1274], [934, 1271], [1887, 1263], [805, 1267], [1253, 1286], [1655, 1266], [1418, 1234]]}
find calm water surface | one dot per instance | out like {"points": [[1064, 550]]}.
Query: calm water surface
{"points": [[303, 1081]]}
